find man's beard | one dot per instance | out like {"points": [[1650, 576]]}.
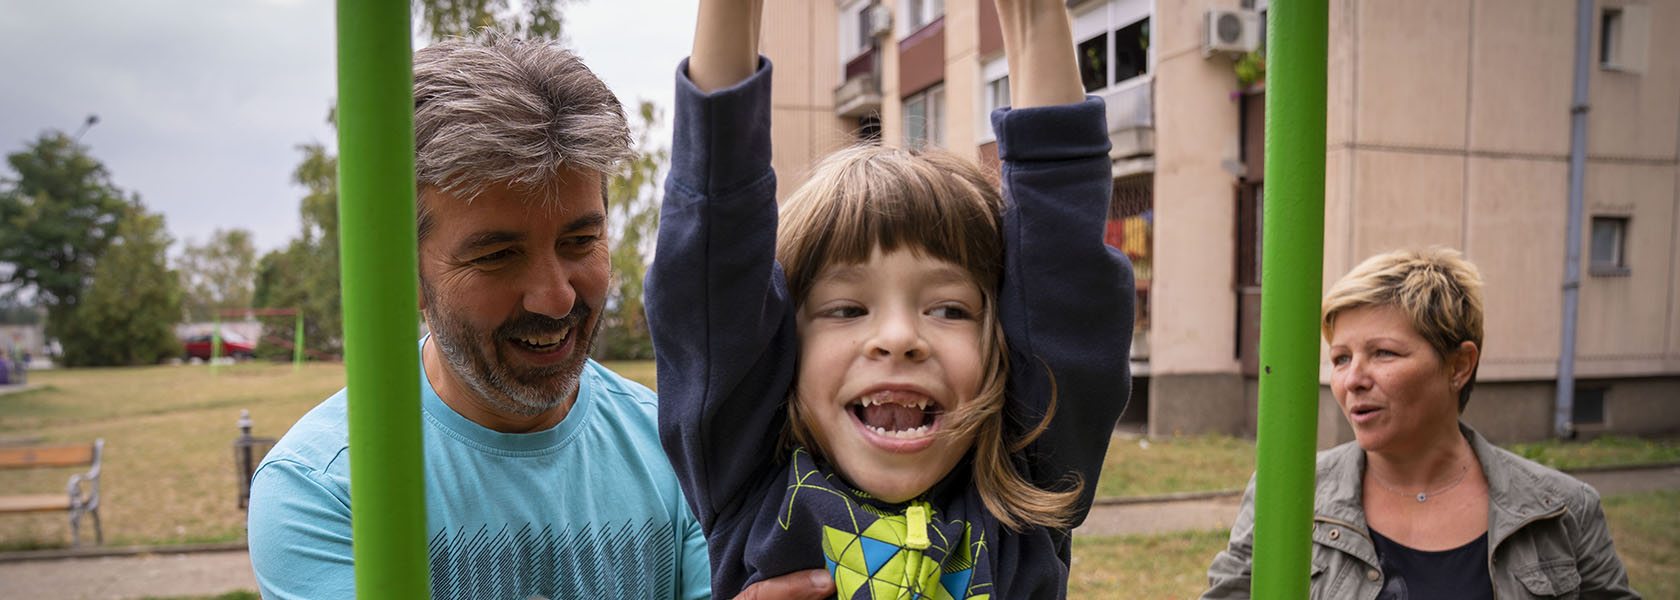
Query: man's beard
{"points": [[520, 391]]}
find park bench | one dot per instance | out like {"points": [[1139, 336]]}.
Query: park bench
{"points": [[82, 496]]}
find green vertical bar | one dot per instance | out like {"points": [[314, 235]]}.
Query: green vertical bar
{"points": [[1292, 277], [297, 343], [215, 343], [380, 282]]}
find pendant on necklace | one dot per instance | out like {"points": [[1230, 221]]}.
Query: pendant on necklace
{"points": [[1422, 496]]}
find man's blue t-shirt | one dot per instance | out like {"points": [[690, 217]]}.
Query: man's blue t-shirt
{"points": [[587, 509]]}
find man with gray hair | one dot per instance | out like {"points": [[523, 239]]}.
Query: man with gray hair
{"points": [[544, 473]]}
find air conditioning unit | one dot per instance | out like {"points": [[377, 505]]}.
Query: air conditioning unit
{"points": [[879, 19], [1227, 31]]}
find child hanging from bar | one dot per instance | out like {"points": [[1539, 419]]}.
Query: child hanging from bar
{"points": [[835, 387]]}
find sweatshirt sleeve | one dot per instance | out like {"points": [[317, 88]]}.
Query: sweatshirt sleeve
{"points": [[717, 303], [1067, 299]]}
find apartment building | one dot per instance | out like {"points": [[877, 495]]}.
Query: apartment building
{"points": [[1448, 123]]}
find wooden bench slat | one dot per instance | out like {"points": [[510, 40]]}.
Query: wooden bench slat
{"points": [[46, 456], [34, 503]]}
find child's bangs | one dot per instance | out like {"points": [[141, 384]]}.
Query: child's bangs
{"points": [[932, 203]]}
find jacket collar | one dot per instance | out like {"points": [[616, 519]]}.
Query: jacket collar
{"points": [[1517, 493]]}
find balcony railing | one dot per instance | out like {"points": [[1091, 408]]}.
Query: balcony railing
{"points": [[860, 94], [1131, 116]]}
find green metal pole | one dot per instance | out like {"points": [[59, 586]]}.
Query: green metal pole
{"points": [[297, 343], [380, 282], [1292, 276], [215, 343]]}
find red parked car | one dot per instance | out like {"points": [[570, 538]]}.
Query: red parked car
{"points": [[233, 344]]}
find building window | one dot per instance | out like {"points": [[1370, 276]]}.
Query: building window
{"points": [[869, 129], [924, 118], [993, 96], [1589, 406], [1623, 32], [1131, 51], [1608, 251], [855, 38], [919, 13], [1609, 32], [1113, 42], [1093, 62]]}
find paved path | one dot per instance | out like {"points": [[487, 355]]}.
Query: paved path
{"points": [[120, 577], [210, 573]]}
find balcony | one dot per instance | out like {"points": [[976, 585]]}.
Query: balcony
{"points": [[860, 94], [1131, 119]]}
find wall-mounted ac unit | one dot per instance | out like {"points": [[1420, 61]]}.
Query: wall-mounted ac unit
{"points": [[1230, 32], [880, 19]]}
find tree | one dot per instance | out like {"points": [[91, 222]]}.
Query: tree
{"points": [[218, 274], [439, 19], [56, 219], [128, 314], [633, 214], [305, 275]]}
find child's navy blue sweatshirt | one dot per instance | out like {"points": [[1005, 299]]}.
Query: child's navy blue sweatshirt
{"points": [[724, 333]]}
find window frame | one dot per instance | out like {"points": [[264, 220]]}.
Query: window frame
{"points": [[1617, 263], [992, 72], [932, 129]]}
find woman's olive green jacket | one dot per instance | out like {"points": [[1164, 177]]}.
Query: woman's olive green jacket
{"points": [[1547, 537]]}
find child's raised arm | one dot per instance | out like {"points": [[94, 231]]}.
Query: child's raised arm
{"points": [[1037, 38], [726, 43], [1066, 299]]}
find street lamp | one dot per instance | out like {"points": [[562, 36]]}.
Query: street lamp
{"points": [[91, 120]]}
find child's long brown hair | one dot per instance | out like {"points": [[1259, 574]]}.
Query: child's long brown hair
{"points": [[938, 205]]}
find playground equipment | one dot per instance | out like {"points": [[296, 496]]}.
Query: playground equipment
{"points": [[297, 336], [1297, 51], [380, 279]]}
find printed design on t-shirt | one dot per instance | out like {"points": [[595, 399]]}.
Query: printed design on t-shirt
{"points": [[614, 560], [876, 555]]}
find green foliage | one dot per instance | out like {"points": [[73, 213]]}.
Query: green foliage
{"points": [[439, 19], [128, 314], [56, 219], [218, 274], [633, 212], [305, 275], [1250, 68]]}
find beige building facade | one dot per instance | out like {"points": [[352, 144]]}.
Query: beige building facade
{"points": [[1448, 123]]}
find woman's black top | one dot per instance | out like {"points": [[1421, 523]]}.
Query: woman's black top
{"points": [[1457, 574]]}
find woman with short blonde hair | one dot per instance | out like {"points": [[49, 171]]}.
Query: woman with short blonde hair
{"points": [[1420, 505]]}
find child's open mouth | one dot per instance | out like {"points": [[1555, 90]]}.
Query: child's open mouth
{"points": [[897, 414]]}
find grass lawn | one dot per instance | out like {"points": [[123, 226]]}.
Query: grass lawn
{"points": [[168, 474], [1186, 464]]}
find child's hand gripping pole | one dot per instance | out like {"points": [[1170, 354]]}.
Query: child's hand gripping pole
{"points": [[725, 43], [1038, 39]]}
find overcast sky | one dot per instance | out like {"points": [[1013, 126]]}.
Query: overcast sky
{"points": [[202, 103]]}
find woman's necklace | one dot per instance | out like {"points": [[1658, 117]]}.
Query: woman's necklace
{"points": [[1424, 496]]}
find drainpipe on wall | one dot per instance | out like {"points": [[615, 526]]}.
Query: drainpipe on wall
{"points": [[1561, 420]]}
